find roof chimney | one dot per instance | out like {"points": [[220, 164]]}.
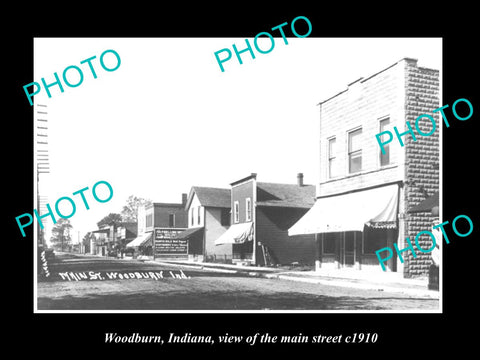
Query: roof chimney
{"points": [[184, 199], [300, 179]]}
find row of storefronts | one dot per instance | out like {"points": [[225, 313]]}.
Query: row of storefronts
{"points": [[364, 200], [245, 224]]}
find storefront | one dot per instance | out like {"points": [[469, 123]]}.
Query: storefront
{"points": [[167, 244], [162, 243], [240, 236], [194, 241], [142, 245], [350, 227]]}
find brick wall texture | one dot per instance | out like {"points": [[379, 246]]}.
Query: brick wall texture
{"points": [[363, 105], [421, 159]]}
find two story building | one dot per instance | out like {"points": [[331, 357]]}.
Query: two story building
{"points": [[261, 216], [208, 212], [364, 195], [158, 225]]}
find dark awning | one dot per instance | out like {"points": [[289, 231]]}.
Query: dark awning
{"points": [[142, 240], [100, 231], [426, 205], [189, 233]]}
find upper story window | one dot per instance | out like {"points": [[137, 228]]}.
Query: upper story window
{"points": [[236, 212], [191, 216], [355, 151], [384, 157], [248, 209], [149, 220], [171, 220], [332, 157], [198, 215]]}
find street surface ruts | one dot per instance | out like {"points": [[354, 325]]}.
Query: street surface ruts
{"points": [[205, 289]]}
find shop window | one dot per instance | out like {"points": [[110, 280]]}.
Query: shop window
{"points": [[349, 244], [384, 158], [374, 239], [354, 151], [329, 243]]}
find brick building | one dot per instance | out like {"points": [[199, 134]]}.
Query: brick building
{"points": [[364, 196], [158, 225]]}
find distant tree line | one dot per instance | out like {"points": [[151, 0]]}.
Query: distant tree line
{"points": [[61, 238]]}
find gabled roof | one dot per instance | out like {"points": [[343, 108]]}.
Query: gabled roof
{"points": [[210, 197], [162, 204], [285, 195]]}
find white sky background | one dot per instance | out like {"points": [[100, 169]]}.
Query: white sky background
{"points": [[168, 118]]}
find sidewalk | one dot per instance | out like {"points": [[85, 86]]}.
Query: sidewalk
{"points": [[380, 281]]}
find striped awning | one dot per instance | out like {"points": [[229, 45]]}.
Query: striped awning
{"points": [[236, 234], [377, 207]]}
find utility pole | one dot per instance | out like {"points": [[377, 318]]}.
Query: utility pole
{"points": [[42, 164]]}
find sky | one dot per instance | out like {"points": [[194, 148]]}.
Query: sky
{"points": [[168, 118]]}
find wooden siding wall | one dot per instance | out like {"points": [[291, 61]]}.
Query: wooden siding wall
{"points": [[240, 193], [213, 231], [272, 226]]}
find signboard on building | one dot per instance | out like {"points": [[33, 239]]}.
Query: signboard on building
{"points": [[166, 244]]}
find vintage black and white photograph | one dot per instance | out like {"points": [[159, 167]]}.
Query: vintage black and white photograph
{"points": [[261, 175]]}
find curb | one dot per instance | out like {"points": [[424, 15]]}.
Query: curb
{"points": [[219, 267], [366, 286], [198, 267], [425, 293]]}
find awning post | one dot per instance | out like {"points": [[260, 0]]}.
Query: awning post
{"points": [[318, 254]]}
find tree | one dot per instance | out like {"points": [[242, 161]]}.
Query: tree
{"points": [[87, 240], [111, 219], [61, 234], [130, 210]]}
